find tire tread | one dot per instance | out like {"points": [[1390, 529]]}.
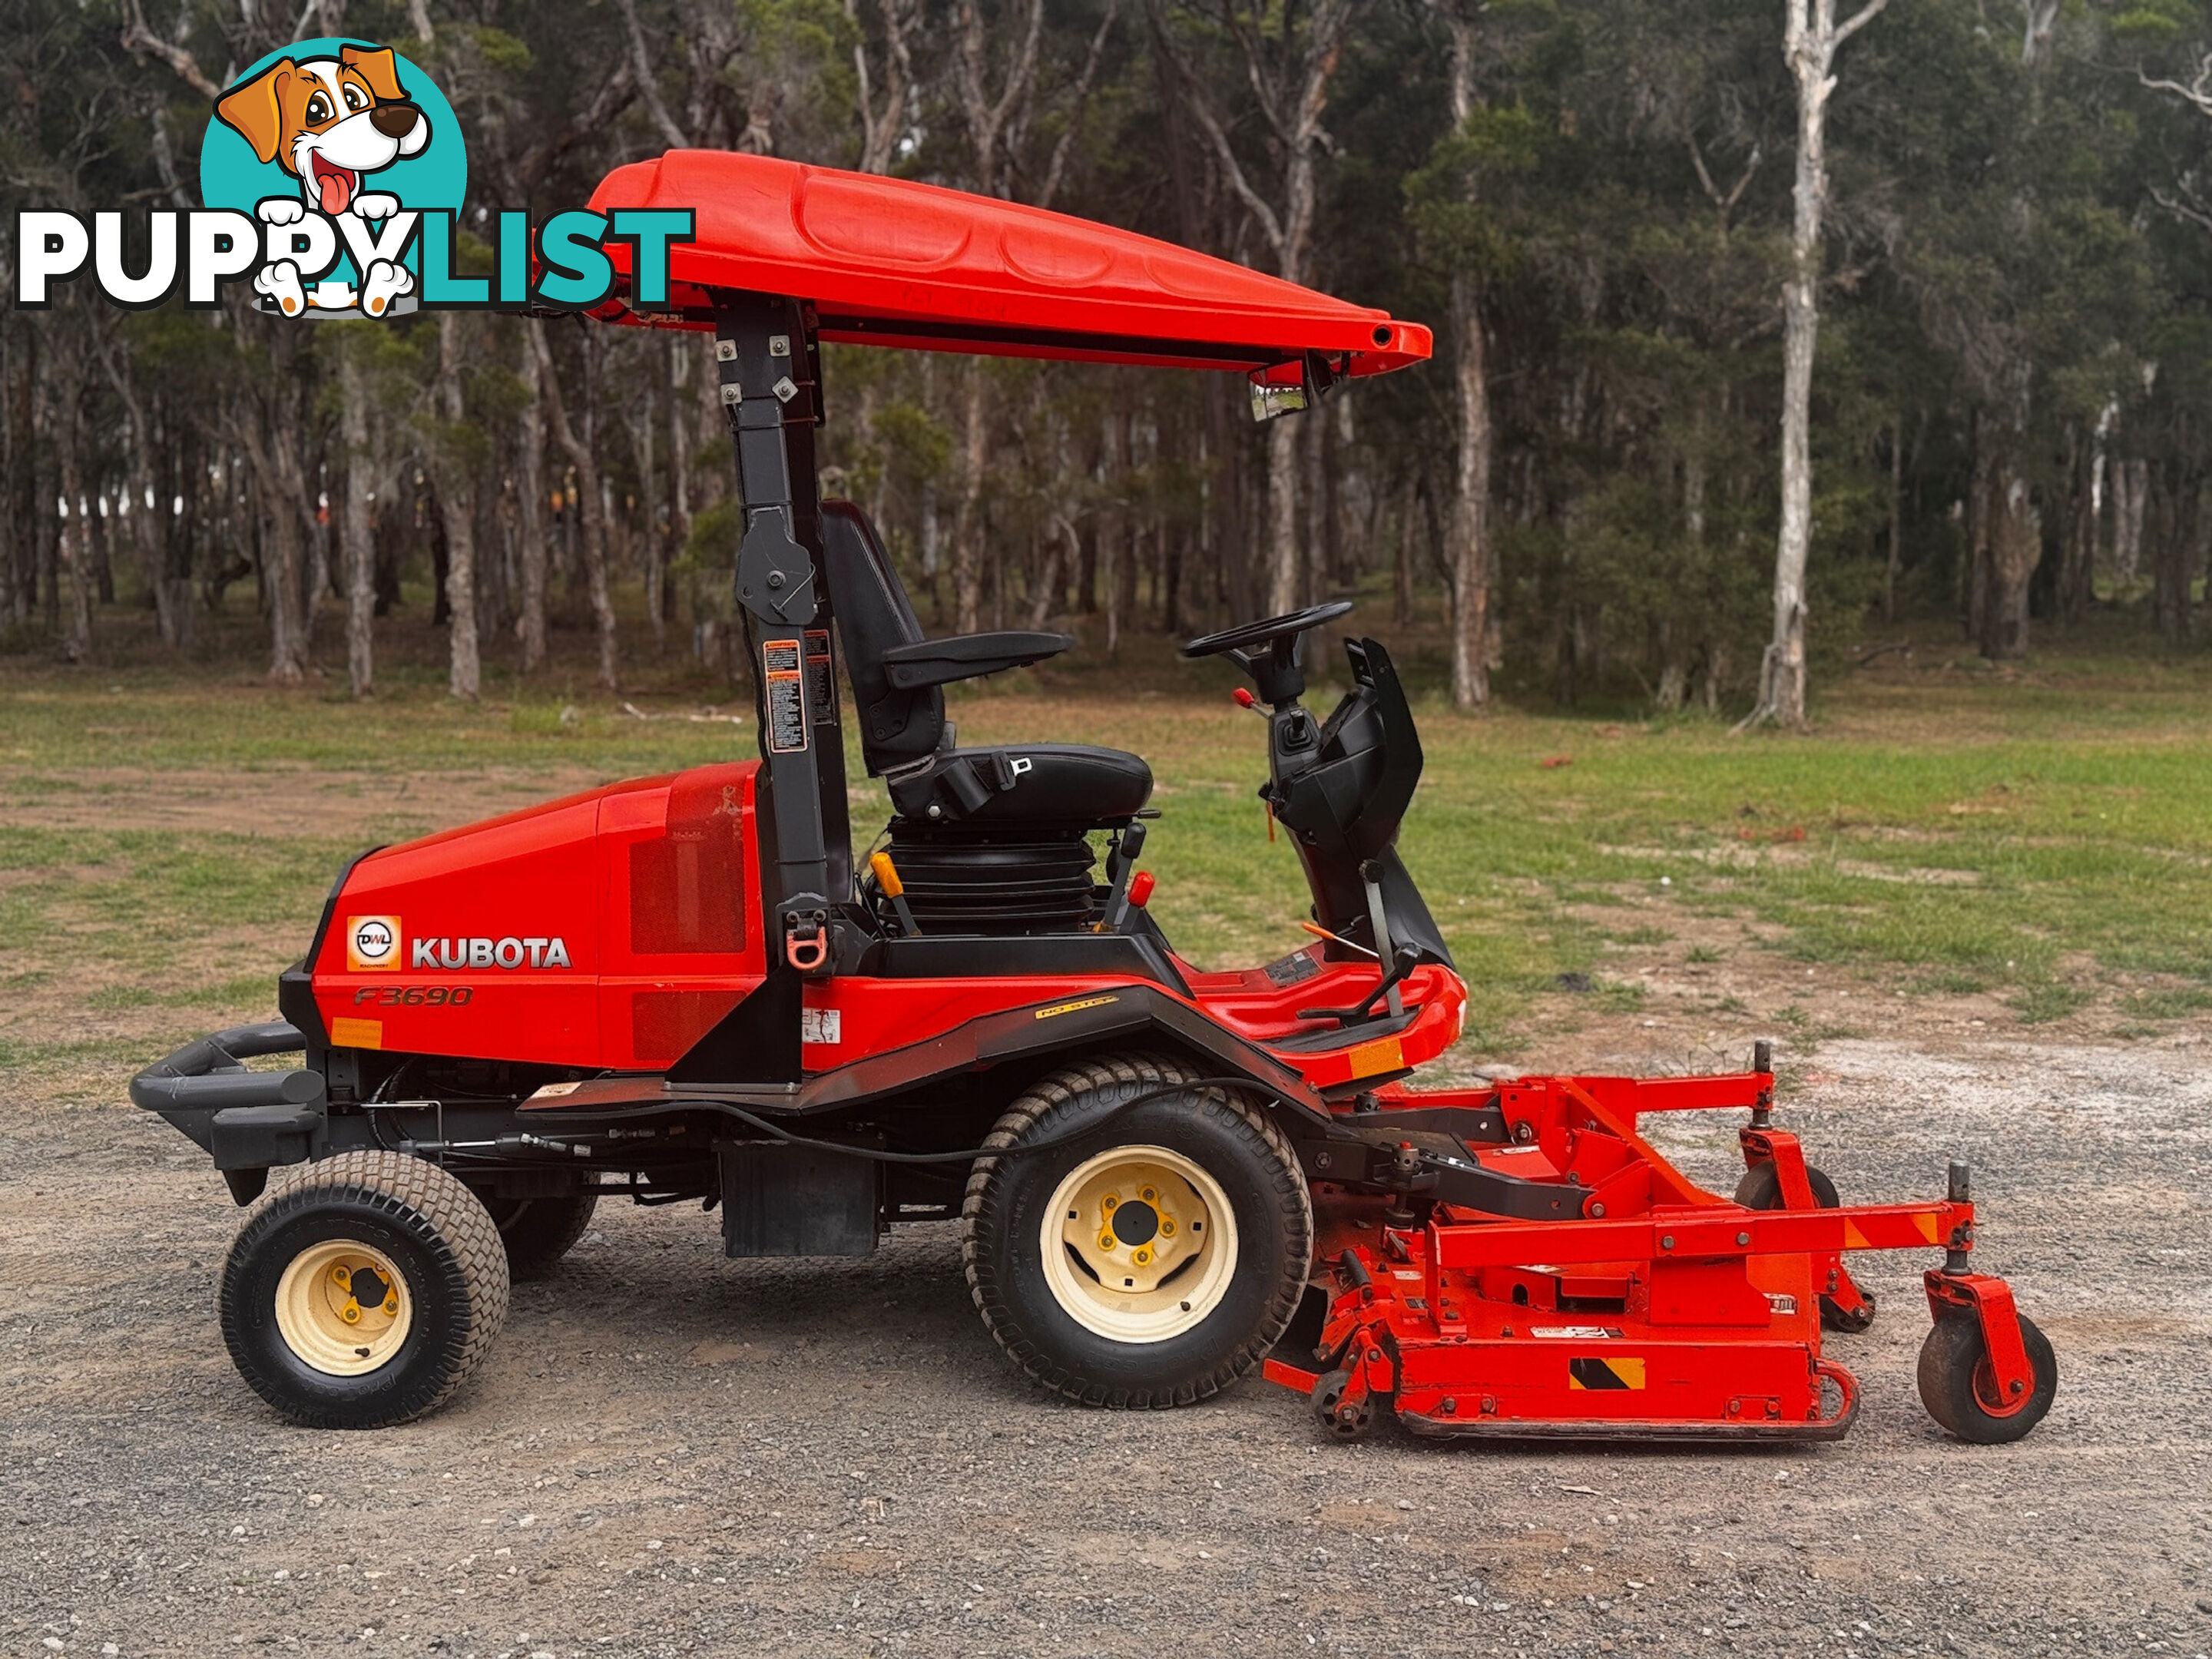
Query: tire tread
{"points": [[420, 1198], [1031, 1113]]}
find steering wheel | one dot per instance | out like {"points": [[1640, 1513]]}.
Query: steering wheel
{"points": [[1268, 650], [1246, 635]]}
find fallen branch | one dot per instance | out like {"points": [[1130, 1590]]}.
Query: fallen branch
{"points": [[1905, 646], [637, 714]]}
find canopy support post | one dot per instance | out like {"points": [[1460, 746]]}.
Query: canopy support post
{"points": [[768, 362]]}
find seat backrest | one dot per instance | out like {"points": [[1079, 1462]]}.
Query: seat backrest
{"points": [[873, 614]]}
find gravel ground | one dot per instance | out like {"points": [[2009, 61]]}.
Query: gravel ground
{"points": [[670, 1453]]}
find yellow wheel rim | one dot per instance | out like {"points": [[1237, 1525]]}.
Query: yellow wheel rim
{"points": [[1139, 1244], [343, 1308]]}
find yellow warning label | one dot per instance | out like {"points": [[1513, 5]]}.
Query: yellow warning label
{"points": [[1591, 1372], [1853, 1239], [357, 1033], [1058, 1008]]}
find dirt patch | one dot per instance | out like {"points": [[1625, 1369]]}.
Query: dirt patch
{"points": [[1682, 989], [312, 801]]}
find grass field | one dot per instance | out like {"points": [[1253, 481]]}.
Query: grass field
{"points": [[2031, 848]]}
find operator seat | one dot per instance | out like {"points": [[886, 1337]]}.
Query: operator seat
{"points": [[897, 679]]}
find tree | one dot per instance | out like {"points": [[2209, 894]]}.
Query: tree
{"points": [[1810, 38], [589, 502], [354, 533], [1468, 555], [1288, 58]]}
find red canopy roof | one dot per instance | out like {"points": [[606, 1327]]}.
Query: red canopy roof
{"points": [[889, 262]]}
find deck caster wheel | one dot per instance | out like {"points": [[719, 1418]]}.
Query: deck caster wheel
{"points": [[1151, 1263], [1761, 1189], [1340, 1419], [1960, 1390], [362, 1292], [539, 1231]]}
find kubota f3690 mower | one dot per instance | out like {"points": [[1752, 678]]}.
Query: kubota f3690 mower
{"points": [[682, 989]]}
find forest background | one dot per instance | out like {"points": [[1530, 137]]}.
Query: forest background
{"points": [[1623, 218]]}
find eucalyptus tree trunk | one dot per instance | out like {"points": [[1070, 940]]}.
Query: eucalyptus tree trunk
{"points": [[968, 523], [655, 553], [356, 537], [73, 554], [1467, 553], [268, 434], [2015, 548], [2130, 492], [1893, 562], [530, 490], [456, 497], [170, 597], [1291, 90], [1811, 35], [1285, 551], [589, 504]]}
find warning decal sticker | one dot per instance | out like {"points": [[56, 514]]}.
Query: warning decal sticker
{"points": [[821, 680], [1593, 1373], [787, 697]]}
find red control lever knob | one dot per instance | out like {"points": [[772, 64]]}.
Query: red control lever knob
{"points": [[1245, 699], [1141, 889]]}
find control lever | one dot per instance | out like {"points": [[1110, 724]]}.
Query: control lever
{"points": [[887, 880], [1403, 964], [1371, 873], [1138, 894], [1122, 858]]}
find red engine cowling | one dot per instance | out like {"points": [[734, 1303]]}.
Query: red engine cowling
{"points": [[613, 928]]}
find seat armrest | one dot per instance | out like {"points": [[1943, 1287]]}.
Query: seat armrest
{"points": [[967, 656]]}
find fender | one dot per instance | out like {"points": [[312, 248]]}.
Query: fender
{"points": [[1089, 1018]]}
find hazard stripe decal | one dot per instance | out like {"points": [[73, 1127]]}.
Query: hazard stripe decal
{"points": [[1595, 1373]]}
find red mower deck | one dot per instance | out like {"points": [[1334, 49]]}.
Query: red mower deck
{"points": [[1650, 1309]]}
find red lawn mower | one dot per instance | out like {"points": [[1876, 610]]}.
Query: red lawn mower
{"points": [[681, 988]]}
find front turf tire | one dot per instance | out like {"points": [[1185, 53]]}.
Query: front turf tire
{"points": [[362, 1292], [1201, 1151]]}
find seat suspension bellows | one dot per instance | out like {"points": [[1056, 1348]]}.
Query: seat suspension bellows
{"points": [[1029, 880]]}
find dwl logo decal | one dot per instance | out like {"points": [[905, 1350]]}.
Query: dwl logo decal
{"points": [[334, 173]]}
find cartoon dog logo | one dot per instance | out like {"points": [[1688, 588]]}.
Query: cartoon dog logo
{"points": [[331, 122]]}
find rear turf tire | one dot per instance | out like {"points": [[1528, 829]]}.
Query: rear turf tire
{"points": [[332, 1349], [1214, 1159], [539, 1231]]}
